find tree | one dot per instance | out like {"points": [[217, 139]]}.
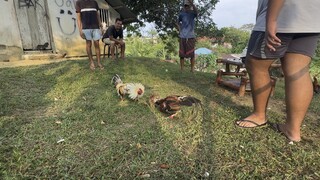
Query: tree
{"points": [[247, 27], [208, 30], [164, 13], [237, 37]]}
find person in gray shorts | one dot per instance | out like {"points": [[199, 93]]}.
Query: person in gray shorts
{"points": [[290, 34]]}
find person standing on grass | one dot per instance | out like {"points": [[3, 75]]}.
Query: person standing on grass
{"points": [[291, 34], [185, 24], [90, 27]]}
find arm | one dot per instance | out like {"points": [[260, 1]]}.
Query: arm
{"points": [[121, 42], [121, 37], [98, 17], [78, 10], [99, 21], [194, 7], [80, 25], [177, 25], [274, 8], [118, 41]]}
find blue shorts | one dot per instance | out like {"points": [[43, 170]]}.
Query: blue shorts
{"points": [[300, 43], [92, 34]]}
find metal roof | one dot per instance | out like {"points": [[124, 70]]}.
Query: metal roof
{"points": [[125, 14]]}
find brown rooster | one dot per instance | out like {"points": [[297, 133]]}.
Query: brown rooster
{"points": [[133, 90], [316, 86], [171, 105]]}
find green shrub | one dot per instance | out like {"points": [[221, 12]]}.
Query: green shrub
{"points": [[152, 47], [315, 67], [206, 63]]}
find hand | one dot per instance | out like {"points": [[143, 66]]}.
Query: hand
{"points": [[271, 38], [82, 35], [101, 29]]}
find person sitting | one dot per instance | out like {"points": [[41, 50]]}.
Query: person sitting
{"points": [[114, 37]]}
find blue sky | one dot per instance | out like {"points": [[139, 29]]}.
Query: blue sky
{"points": [[234, 12]]}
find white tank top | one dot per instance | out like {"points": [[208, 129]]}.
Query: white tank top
{"points": [[296, 16], [299, 16]]}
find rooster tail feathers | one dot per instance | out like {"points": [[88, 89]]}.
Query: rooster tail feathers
{"points": [[135, 90], [116, 80], [189, 100]]}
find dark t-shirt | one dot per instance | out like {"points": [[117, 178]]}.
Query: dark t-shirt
{"points": [[88, 10], [113, 32]]}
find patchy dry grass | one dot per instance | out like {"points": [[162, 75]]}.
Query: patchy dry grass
{"points": [[108, 139]]}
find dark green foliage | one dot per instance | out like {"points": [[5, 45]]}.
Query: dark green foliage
{"points": [[315, 64], [153, 47], [164, 13], [237, 37], [206, 63]]}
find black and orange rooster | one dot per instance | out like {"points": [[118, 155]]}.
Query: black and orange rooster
{"points": [[171, 105], [133, 90], [316, 86]]}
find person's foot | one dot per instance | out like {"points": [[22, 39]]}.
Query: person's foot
{"points": [[282, 129], [251, 121], [100, 66], [249, 124], [92, 67]]}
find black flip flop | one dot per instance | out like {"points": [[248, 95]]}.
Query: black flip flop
{"points": [[252, 122]]}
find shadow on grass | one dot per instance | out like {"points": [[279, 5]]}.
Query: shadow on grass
{"points": [[219, 134], [22, 99], [63, 121], [106, 138]]}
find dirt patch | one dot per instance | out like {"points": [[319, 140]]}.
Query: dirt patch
{"points": [[19, 63]]}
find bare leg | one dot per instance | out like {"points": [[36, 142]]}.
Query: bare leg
{"points": [[123, 49], [298, 89], [192, 64], [97, 48], [89, 52], [181, 63], [260, 82], [112, 47]]}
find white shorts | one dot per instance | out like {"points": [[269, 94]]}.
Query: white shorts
{"points": [[92, 34]]}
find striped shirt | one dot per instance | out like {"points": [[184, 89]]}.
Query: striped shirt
{"points": [[88, 10]]}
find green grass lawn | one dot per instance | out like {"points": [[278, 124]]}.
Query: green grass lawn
{"points": [[105, 138]]}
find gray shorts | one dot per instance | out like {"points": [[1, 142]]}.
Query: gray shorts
{"points": [[300, 43]]}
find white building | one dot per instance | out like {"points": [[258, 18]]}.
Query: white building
{"points": [[48, 27]]}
